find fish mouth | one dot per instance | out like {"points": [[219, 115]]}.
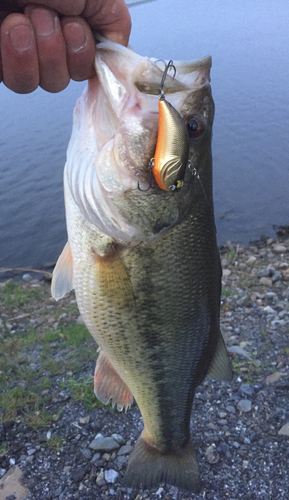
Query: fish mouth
{"points": [[189, 76]]}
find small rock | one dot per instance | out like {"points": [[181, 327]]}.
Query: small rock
{"points": [[237, 349], [277, 276], [266, 281], [27, 277], [95, 457], [84, 420], [86, 452], [284, 431], [236, 445], [251, 261], [264, 273], [12, 461], [212, 456], [230, 409], [2, 472], [279, 248], [67, 469], [30, 459], [269, 310], [125, 449], [78, 474], [101, 443], [274, 377], [247, 389], [10, 484], [106, 457], [31, 451], [283, 265], [111, 475], [160, 492], [244, 405], [100, 477], [118, 438], [226, 273]]}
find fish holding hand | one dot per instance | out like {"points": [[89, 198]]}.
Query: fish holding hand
{"points": [[142, 255]]}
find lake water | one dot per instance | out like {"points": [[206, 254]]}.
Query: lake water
{"points": [[249, 43]]}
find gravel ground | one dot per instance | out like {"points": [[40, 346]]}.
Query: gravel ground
{"points": [[240, 429]]}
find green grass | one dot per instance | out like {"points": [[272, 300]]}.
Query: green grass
{"points": [[26, 393], [13, 294], [83, 390]]}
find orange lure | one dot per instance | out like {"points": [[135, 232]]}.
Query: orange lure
{"points": [[172, 149]]}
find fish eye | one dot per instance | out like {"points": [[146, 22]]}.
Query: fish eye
{"points": [[195, 127]]}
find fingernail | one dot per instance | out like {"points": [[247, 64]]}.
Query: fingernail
{"points": [[75, 36], [43, 21], [21, 37]]}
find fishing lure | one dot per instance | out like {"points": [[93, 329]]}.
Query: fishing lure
{"points": [[172, 150], [171, 158]]}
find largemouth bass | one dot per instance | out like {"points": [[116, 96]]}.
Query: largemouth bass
{"points": [[143, 260]]}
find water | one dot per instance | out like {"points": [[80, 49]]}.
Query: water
{"points": [[248, 41]]}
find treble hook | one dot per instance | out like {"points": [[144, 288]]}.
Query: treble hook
{"points": [[151, 165], [167, 68]]}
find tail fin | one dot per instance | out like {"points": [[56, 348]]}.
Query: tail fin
{"points": [[148, 467]]}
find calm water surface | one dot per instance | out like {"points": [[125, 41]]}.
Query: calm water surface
{"points": [[249, 42]]}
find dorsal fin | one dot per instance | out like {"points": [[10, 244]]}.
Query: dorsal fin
{"points": [[62, 278]]}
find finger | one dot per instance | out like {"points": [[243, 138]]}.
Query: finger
{"points": [[80, 46], [19, 54], [53, 70], [65, 7], [111, 18]]}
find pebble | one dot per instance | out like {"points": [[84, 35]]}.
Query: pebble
{"points": [[86, 453], [284, 431], [279, 248], [125, 449], [160, 492], [27, 277], [2, 472], [274, 377], [118, 438], [269, 310], [244, 405], [251, 261], [31, 451], [247, 389], [78, 474], [84, 420], [101, 443], [111, 475], [212, 456], [266, 281]]}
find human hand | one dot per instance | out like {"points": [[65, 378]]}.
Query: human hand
{"points": [[49, 42]]}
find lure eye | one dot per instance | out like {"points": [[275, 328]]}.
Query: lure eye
{"points": [[195, 127]]}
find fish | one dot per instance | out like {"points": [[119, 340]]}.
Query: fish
{"points": [[143, 260]]}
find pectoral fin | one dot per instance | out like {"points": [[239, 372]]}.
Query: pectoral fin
{"points": [[220, 366], [62, 278], [109, 385]]}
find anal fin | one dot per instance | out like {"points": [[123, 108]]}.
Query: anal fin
{"points": [[108, 385], [220, 366]]}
